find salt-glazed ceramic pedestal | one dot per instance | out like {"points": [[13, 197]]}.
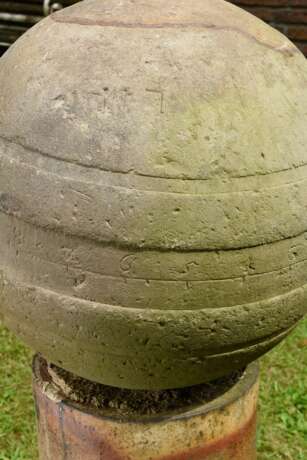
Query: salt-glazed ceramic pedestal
{"points": [[222, 429]]}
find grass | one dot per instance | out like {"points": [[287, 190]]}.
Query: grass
{"points": [[282, 433], [17, 422]]}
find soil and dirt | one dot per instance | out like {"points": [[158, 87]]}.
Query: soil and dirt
{"points": [[123, 402]]}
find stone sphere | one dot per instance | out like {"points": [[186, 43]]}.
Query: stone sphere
{"points": [[153, 190]]}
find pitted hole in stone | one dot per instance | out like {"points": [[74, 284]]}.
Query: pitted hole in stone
{"points": [[79, 280], [108, 224], [293, 254], [75, 212]]}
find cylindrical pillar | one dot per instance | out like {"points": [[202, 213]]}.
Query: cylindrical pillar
{"points": [[221, 429]]}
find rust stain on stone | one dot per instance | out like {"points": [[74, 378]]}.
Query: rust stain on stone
{"points": [[69, 432], [238, 442], [82, 433]]}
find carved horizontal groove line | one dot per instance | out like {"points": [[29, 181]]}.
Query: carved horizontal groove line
{"points": [[139, 248], [92, 348], [166, 280], [192, 183], [287, 48], [112, 308]]}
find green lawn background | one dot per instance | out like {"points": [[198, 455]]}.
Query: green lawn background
{"points": [[282, 432]]}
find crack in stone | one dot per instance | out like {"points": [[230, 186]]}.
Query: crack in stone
{"points": [[286, 49]]}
